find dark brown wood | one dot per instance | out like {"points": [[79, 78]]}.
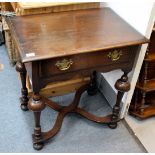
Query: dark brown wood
{"points": [[20, 67], [60, 46], [72, 108], [143, 102], [37, 105], [93, 88], [149, 86], [122, 85], [148, 112], [82, 31], [85, 61], [46, 70]]}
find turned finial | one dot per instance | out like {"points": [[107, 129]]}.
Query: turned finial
{"points": [[20, 67], [36, 104], [123, 84]]}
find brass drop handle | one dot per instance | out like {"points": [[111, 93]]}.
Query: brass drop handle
{"points": [[115, 55], [64, 64]]}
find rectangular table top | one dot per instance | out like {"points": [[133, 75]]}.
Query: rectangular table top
{"points": [[51, 35]]}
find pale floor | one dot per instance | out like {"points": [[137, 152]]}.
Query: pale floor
{"points": [[144, 130]]}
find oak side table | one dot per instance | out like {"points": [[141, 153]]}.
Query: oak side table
{"points": [[59, 46]]}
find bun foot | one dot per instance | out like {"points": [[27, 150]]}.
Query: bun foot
{"points": [[38, 146], [24, 107], [113, 125]]}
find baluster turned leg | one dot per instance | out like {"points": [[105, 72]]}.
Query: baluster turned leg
{"points": [[122, 85], [20, 67], [92, 89], [36, 105], [142, 106], [136, 100]]}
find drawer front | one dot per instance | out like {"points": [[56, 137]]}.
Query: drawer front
{"points": [[86, 61]]}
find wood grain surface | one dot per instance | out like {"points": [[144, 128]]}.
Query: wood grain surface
{"points": [[47, 36]]}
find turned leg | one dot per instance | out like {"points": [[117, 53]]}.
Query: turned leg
{"points": [[142, 103], [20, 67], [92, 89], [36, 105], [122, 85], [142, 92], [136, 100]]}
